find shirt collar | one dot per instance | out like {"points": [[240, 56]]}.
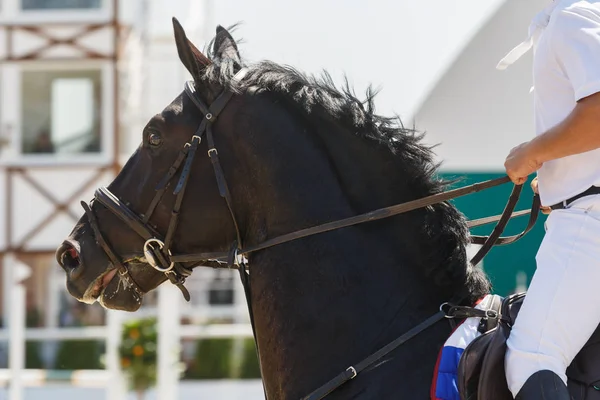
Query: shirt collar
{"points": [[537, 25]]}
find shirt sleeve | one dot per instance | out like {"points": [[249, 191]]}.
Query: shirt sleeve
{"points": [[576, 42]]}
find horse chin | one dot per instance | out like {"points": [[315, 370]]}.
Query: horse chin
{"points": [[120, 295]]}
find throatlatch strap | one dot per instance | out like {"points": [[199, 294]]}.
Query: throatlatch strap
{"points": [[245, 278]]}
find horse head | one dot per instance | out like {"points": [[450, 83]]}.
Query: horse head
{"points": [[105, 257]]}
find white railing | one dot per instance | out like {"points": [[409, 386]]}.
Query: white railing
{"points": [[39, 377], [101, 332], [83, 333], [215, 331], [169, 310]]}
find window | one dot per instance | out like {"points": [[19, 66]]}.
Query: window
{"points": [[60, 4], [61, 112], [220, 289]]}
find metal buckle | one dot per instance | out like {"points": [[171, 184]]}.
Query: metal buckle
{"points": [[213, 150], [351, 369], [150, 256], [445, 312], [493, 314]]}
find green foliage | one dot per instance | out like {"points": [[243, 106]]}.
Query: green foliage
{"points": [[138, 353], [78, 354], [250, 368], [213, 359], [33, 360]]}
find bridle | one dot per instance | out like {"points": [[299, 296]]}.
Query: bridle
{"points": [[157, 248]]}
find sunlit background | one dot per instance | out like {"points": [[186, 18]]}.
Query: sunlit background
{"points": [[80, 78]]}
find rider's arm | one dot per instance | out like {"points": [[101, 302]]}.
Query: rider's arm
{"points": [[575, 42], [578, 133]]}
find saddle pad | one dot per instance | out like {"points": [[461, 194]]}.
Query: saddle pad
{"points": [[445, 377]]}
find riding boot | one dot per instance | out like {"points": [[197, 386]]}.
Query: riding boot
{"points": [[544, 385]]}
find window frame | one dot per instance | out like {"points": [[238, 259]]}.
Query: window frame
{"points": [[12, 114], [12, 12]]}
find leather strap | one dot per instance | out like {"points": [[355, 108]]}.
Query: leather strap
{"points": [[533, 216], [589, 192], [114, 259], [213, 154], [180, 190], [116, 262], [491, 240], [462, 312], [116, 206], [245, 279], [352, 371], [375, 215], [162, 185], [494, 218]]}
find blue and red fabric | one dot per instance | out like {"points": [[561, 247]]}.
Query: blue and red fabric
{"points": [[445, 378]]}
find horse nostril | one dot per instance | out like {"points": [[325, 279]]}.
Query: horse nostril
{"points": [[67, 256]]}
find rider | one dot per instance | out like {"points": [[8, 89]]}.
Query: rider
{"points": [[562, 306]]}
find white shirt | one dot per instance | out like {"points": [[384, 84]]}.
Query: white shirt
{"points": [[566, 68]]}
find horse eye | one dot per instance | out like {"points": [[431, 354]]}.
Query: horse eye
{"points": [[154, 139]]}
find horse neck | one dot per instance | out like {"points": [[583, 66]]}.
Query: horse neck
{"points": [[323, 302], [434, 239], [329, 302]]}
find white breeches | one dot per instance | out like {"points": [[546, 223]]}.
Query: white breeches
{"points": [[562, 306]]}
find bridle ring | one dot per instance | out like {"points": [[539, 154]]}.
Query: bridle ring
{"points": [[150, 256]]}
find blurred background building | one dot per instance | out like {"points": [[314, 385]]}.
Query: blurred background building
{"points": [[80, 78]]}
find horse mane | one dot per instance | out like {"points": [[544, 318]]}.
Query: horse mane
{"points": [[319, 98]]}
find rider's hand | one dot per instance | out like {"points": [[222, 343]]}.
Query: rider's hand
{"points": [[521, 162], [534, 187]]}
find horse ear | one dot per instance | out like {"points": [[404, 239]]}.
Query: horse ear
{"points": [[225, 46], [192, 58]]}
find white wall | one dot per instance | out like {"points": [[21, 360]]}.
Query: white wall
{"points": [[475, 112], [2, 209], [435, 61], [30, 207], [401, 46]]}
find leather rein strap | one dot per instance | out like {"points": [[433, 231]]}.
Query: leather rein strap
{"points": [[390, 211], [157, 250]]}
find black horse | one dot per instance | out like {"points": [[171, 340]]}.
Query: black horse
{"points": [[295, 152]]}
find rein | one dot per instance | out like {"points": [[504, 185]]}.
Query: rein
{"points": [[157, 251], [390, 211]]}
